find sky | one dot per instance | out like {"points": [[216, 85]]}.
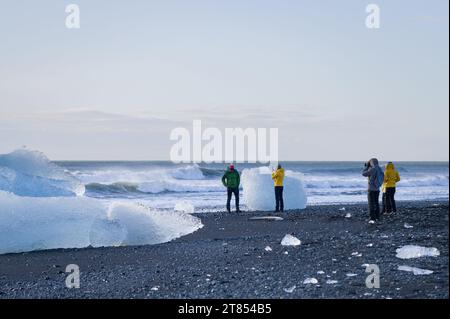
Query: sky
{"points": [[115, 88]]}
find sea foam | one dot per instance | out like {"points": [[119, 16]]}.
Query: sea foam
{"points": [[30, 173]]}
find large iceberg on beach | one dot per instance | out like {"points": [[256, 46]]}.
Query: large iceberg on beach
{"points": [[42, 207], [37, 223], [258, 189]]}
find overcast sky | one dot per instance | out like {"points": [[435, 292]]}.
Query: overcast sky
{"points": [[116, 87]]}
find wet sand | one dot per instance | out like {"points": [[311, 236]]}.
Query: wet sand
{"points": [[227, 259]]}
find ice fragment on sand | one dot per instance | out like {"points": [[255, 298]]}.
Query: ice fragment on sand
{"points": [[415, 271], [290, 289], [310, 281], [290, 240], [268, 218], [413, 251]]}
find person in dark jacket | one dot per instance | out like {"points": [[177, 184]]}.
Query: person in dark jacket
{"points": [[375, 177], [231, 181]]}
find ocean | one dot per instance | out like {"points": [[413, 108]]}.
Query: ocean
{"points": [[162, 185], [46, 205]]}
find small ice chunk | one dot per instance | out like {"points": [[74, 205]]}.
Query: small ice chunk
{"points": [[355, 253], [290, 240], [268, 248], [413, 251], [416, 271], [369, 245], [155, 288], [267, 218], [331, 282], [320, 272], [342, 209], [384, 236], [351, 275], [286, 253], [406, 225], [184, 207], [290, 289], [310, 281], [348, 215]]}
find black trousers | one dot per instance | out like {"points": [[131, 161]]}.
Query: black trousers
{"points": [[390, 200], [279, 203], [230, 192], [374, 205]]}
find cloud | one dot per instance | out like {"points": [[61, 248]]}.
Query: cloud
{"points": [[85, 119], [250, 116]]}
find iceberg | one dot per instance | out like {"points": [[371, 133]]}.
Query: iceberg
{"points": [[290, 240], [36, 223], [412, 251], [313, 281], [258, 189], [415, 271], [290, 289]]}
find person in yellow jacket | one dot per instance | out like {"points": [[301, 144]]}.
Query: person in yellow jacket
{"points": [[278, 177], [391, 178]]}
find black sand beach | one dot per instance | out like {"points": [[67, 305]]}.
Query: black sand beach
{"points": [[227, 259]]}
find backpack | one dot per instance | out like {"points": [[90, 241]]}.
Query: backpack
{"points": [[379, 179]]}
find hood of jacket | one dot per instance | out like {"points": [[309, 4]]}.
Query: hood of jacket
{"points": [[373, 162], [390, 166]]}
